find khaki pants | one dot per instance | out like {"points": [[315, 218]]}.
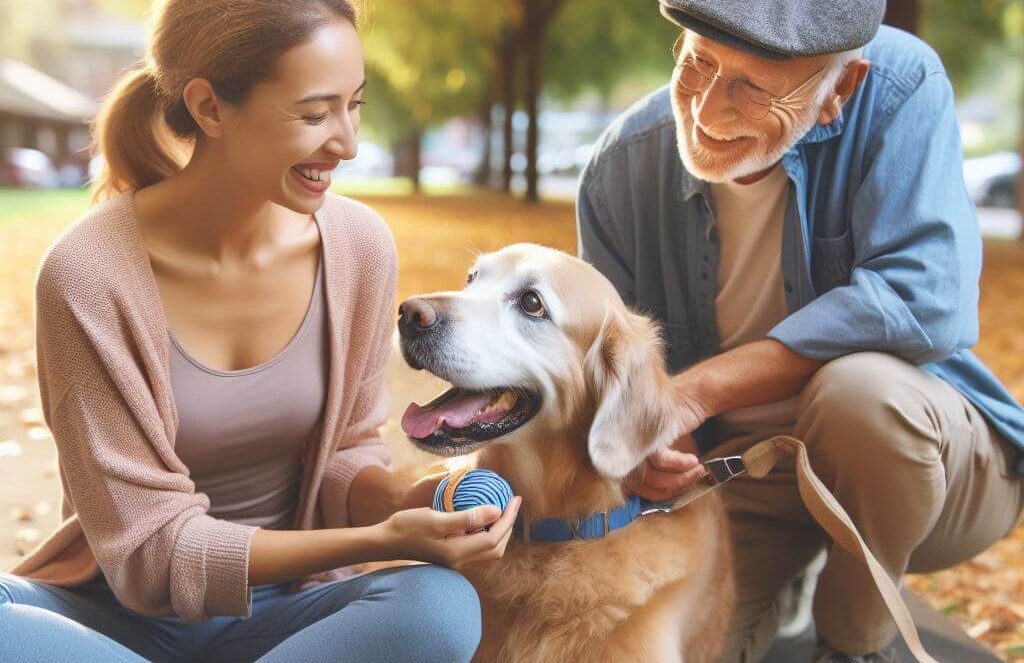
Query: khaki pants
{"points": [[916, 466]]}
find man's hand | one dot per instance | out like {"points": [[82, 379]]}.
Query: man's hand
{"points": [[668, 472]]}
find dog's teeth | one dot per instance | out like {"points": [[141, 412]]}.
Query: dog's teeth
{"points": [[506, 401]]}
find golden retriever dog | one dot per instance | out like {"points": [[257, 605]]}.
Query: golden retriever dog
{"points": [[561, 389]]}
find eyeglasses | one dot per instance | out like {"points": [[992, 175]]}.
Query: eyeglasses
{"points": [[753, 102]]}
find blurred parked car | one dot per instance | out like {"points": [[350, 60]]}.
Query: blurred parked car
{"points": [[27, 168], [372, 160], [992, 180]]}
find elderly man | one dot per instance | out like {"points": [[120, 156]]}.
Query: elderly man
{"points": [[791, 208]]}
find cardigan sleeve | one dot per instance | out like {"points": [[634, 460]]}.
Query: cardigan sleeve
{"points": [[145, 524], [359, 442]]}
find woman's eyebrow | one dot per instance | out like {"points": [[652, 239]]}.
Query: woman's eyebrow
{"points": [[329, 97]]}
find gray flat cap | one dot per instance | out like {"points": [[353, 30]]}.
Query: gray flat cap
{"points": [[780, 29]]}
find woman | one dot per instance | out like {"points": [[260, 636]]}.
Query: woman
{"points": [[212, 341]]}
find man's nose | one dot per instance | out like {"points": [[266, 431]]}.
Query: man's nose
{"points": [[415, 316], [714, 105]]}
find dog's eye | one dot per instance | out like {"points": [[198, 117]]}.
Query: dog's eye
{"points": [[471, 277], [531, 304]]}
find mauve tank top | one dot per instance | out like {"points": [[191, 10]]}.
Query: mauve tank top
{"points": [[241, 433]]}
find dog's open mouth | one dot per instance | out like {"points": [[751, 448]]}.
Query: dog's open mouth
{"points": [[461, 420]]}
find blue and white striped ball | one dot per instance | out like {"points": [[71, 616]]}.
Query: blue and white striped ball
{"points": [[468, 488]]}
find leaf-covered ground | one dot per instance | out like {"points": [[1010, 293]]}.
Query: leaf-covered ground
{"points": [[437, 238]]}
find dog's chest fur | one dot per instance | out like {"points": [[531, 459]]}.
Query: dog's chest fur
{"points": [[573, 595]]}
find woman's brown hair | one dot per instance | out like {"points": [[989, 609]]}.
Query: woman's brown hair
{"points": [[144, 129]]}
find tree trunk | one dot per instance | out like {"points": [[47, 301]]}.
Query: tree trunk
{"points": [[534, 29], [537, 18], [483, 174], [508, 58], [902, 14], [1020, 175], [408, 158]]}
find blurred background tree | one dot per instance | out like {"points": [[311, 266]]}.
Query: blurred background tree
{"points": [[982, 46], [512, 94]]}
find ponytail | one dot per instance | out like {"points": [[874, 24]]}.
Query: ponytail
{"points": [[132, 136], [144, 132]]}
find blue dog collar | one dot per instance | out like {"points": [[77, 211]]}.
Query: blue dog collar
{"points": [[598, 525], [594, 526]]}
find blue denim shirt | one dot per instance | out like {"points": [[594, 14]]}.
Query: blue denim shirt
{"points": [[880, 248]]}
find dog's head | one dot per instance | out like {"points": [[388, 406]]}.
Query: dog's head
{"points": [[538, 341]]}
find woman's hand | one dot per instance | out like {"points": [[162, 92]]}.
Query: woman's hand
{"points": [[421, 494], [438, 537], [668, 472]]}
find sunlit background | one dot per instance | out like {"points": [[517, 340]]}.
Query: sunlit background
{"points": [[505, 95], [480, 116]]}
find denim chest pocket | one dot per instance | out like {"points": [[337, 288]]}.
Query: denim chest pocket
{"points": [[831, 262]]}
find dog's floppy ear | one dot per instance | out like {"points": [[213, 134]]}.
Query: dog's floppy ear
{"points": [[636, 410]]}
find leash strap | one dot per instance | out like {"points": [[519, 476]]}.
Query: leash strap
{"points": [[757, 461]]}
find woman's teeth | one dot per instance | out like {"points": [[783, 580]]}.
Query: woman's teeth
{"points": [[315, 175]]}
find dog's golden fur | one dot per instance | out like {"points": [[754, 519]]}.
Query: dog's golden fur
{"points": [[657, 590]]}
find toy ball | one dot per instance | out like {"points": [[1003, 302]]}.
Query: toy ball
{"points": [[468, 488]]}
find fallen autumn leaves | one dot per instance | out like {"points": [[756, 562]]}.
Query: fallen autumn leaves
{"points": [[437, 238]]}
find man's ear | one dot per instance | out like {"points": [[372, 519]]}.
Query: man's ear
{"points": [[853, 75], [636, 410], [204, 106]]}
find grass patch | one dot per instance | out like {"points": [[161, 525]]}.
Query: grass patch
{"points": [[17, 204]]}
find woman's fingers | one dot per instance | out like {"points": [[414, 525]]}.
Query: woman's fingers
{"points": [[484, 542], [496, 551], [469, 520]]}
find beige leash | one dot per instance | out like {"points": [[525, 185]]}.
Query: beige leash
{"points": [[757, 461]]}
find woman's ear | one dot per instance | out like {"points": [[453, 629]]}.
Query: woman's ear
{"points": [[636, 410], [853, 75], [204, 106]]}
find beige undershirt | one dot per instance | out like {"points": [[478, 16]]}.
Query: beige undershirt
{"points": [[750, 300]]}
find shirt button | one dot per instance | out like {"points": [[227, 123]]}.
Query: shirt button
{"points": [[789, 286]]}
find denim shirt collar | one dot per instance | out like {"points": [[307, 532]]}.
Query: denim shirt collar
{"points": [[818, 133]]}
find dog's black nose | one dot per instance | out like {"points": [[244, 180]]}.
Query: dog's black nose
{"points": [[415, 316]]}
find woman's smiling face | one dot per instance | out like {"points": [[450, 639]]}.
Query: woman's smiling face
{"points": [[286, 138]]}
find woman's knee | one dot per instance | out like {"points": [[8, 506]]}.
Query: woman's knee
{"points": [[6, 595], [443, 610], [13, 589]]}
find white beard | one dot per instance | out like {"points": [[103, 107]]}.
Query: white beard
{"points": [[711, 167]]}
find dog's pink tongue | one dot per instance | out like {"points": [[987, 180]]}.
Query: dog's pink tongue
{"points": [[421, 421]]}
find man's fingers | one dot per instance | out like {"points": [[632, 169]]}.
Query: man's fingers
{"points": [[670, 460], [660, 486]]}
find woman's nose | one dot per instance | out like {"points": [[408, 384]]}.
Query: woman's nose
{"points": [[344, 143]]}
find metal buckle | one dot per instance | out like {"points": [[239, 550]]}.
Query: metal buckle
{"points": [[576, 523], [656, 509], [723, 469]]}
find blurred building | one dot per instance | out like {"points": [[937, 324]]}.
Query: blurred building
{"points": [[41, 113]]}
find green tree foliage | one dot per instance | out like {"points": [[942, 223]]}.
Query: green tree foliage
{"points": [[965, 33], [596, 44], [427, 61]]}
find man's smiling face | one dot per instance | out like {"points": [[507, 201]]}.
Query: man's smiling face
{"points": [[717, 142]]}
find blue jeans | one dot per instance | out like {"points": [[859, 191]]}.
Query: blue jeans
{"points": [[416, 613]]}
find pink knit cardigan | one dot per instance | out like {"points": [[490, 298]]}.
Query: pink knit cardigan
{"points": [[129, 507]]}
